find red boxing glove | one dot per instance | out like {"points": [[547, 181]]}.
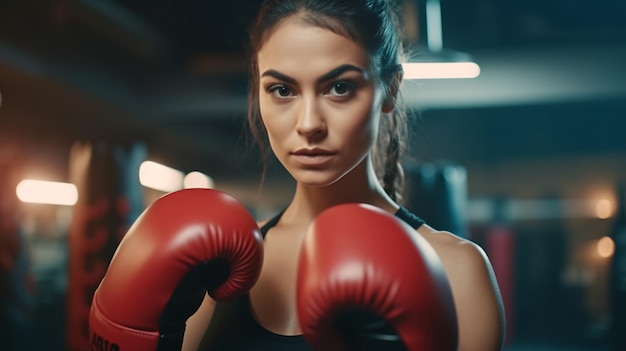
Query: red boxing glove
{"points": [[183, 245], [367, 281]]}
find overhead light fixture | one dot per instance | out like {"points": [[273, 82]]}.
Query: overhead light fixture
{"points": [[160, 177], [47, 192], [163, 178], [432, 61], [197, 179]]}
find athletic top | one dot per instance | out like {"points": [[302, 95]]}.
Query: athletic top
{"points": [[233, 327]]}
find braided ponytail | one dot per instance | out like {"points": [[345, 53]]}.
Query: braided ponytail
{"points": [[389, 150]]}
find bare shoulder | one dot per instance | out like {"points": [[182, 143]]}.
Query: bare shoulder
{"points": [[466, 263], [474, 287], [454, 249]]}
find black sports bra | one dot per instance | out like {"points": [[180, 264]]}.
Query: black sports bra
{"points": [[402, 213], [233, 327]]}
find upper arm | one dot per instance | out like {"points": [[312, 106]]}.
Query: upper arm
{"points": [[197, 325], [477, 298]]}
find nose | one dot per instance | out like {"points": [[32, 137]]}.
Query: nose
{"points": [[311, 122]]}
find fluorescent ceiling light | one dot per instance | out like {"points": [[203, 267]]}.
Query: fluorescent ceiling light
{"points": [[47, 192], [197, 179], [160, 177], [440, 70]]}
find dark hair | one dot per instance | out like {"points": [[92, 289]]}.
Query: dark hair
{"points": [[372, 24]]}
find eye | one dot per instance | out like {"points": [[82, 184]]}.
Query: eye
{"points": [[279, 91], [341, 88]]}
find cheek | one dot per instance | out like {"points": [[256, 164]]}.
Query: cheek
{"points": [[364, 126], [275, 127]]}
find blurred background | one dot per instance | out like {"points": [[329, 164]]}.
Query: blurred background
{"points": [[103, 100]]}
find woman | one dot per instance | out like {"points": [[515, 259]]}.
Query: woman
{"points": [[324, 91]]}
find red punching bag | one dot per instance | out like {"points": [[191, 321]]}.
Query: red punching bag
{"points": [[500, 247], [110, 199]]}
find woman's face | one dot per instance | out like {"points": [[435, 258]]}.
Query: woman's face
{"points": [[318, 101]]}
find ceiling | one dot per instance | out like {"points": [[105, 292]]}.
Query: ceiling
{"points": [[173, 73]]}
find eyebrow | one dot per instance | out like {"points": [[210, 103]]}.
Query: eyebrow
{"points": [[326, 77]]}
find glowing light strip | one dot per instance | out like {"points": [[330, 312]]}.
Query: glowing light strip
{"points": [[163, 178], [160, 177], [197, 179], [47, 192], [440, 70]]}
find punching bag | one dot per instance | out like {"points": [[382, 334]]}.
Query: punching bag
{"points": [[499, 244], [110, 198], [437, 192]]}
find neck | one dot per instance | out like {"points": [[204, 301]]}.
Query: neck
{"points": [[358, 186]]}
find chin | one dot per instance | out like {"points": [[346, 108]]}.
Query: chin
{"points": [[315, 178]]}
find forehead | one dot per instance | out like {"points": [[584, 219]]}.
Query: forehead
{"points": [[297, 47]]}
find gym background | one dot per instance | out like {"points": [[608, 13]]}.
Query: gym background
{"points": [[527, 159]]}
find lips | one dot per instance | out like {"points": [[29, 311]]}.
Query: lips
{"points": [[313, 152], [312, 156]]}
